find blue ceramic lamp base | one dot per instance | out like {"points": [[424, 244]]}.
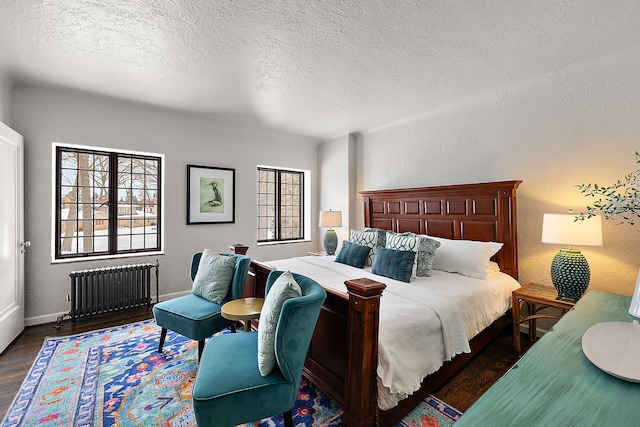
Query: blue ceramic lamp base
{"points": [[330, 242], [570, 274]]}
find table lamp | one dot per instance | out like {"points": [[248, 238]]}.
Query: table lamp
{"points": [[570, 272], [330, 219]]}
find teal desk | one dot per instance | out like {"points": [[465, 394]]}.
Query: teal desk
{"points": [[554, 384]]}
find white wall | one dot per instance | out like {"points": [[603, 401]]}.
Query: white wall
{"points": [[577, 126], [6, 95], [336, 160], [44, 116]]}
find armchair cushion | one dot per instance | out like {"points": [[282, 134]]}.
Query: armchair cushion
{"points": [[214, 276], [283, 288], [191, 316], [229, 385]]}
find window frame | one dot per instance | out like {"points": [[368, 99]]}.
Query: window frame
{"points": [[303, 206], [112, 222]]}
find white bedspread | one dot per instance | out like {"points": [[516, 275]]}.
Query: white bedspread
{"points": [[422, 323]]}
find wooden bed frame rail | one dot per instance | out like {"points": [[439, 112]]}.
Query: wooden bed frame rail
{"points": [[343, 355]]}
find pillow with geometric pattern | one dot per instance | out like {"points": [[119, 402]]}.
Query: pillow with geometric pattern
{"points": [[426, 254], [405, 242], [365, 238]]}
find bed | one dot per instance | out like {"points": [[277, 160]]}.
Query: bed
{"points": [[345, 351]]}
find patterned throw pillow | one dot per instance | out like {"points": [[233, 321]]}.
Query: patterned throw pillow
{"points": [[214, 276], [426, 254], [353, 254], [365, 238], [382, 236], [284, 287], [405, 242], [394, 264]]}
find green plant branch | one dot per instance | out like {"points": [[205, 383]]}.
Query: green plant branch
{"points": [[620, 200]]}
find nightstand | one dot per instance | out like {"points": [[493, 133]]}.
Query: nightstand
{"points": [[536, 297]]}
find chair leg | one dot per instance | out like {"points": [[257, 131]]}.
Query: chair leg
{"points": [[200, 349], [288, 418], [163, 335], [233, 328]]}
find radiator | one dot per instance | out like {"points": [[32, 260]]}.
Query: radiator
{"points": [[104, 290]]}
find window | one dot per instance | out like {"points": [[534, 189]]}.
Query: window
{"points": [[106, 202], [280, 204]]}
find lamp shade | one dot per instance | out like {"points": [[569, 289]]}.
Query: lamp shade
{"points": [[331, 218], [563, 229]]}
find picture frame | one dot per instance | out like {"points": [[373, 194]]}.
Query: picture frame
{"points": [[211, 195]]}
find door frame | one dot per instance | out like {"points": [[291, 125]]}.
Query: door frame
{"points": [[12, 316]]}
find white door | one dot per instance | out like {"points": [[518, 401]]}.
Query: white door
{"points": [[12, 243]]}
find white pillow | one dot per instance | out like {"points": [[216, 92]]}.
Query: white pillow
{"points": [[366, 238], [493, 267], [467, 257], [400, 242]]}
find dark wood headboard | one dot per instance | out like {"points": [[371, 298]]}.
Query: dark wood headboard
{"points": [[483, 211]]}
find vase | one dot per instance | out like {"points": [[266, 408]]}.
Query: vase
{"points": [[570, 274], [330, 241]]}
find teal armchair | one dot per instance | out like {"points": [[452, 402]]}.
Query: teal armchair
{"points": [[195, 317], [229, 389]]}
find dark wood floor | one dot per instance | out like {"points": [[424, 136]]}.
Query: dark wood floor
{"points": [[464, 388], [460, 392]]}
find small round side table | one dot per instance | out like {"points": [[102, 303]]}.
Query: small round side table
{"points": [[245, 309]]}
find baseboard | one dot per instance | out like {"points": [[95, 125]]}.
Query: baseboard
{"points": [[41, 320], [524, 329], [53, 317], [173, 295]]}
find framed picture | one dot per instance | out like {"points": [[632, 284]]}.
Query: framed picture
{"points": [[211, 195]]}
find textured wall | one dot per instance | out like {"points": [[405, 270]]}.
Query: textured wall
{"points": [[6, 95], [46, 116], [577, 126], [336, 168]]}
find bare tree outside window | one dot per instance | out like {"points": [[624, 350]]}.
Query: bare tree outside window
{"points": [[280, 201], [98, 215]]}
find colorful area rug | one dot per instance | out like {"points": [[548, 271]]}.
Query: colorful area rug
{"points": [[115, 377]]}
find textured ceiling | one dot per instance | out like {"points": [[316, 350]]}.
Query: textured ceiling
{"points": [[320, 68]]}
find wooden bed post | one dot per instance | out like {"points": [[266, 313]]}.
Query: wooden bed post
{"points": [[361, 403]]}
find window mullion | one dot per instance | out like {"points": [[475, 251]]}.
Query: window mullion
{"points": [[278, 205], [301, 208], [113, 203]]}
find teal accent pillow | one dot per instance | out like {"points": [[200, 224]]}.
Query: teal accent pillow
{"points": [[284, 287], [394, 264], [214, 276], [353, 254], [405, 242]]}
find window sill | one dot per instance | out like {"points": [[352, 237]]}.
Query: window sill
{"points": [[103, 257], [283, 242]]}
